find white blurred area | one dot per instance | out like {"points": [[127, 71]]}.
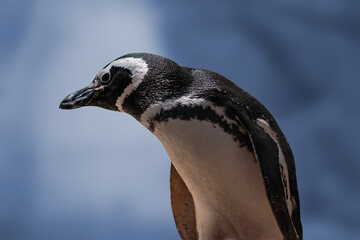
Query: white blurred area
{"points": [[89, 166]]}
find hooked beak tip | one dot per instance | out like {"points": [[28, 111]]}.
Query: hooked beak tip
{"points": [[77, 99], [66, 106]]}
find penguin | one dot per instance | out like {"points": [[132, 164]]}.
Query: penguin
{"points": [[232, 172]]}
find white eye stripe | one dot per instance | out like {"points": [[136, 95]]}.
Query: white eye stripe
{"points": [[138, 68]]}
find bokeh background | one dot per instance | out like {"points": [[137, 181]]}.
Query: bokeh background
{"points": [[96, 174]]}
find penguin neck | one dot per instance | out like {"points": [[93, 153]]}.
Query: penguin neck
{"points": [[157, 90]]}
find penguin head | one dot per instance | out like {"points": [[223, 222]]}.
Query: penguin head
{"points": [[129, 84]]}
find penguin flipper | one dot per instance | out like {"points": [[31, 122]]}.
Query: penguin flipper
{"points": [[183, 207], [266, 152]]}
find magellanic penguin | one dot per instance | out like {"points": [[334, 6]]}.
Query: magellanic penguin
{"points": [[232, 170]]}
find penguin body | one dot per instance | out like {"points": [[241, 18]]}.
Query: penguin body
{"points": [[233, 173]]}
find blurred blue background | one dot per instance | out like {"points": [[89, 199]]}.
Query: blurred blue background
{"points": [[96, 174]]}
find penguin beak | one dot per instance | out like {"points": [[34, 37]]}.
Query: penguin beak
{"points": [[80, 98]]}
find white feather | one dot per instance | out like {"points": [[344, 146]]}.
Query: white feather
{"points": [[138, 68], [187, 100], [224, 179]]}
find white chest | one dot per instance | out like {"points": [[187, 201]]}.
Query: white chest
{"points": [[224, 179]]}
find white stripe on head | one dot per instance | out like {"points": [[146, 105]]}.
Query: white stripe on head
{"points": [[282, 162], [138, 68]]}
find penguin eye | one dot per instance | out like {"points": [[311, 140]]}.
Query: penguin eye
{"points": [[105, 78]]}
